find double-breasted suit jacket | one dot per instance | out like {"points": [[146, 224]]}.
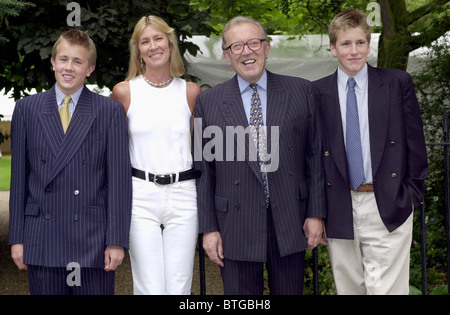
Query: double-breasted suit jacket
{"points": [[70, 193], [397, 145], [231, 197]]}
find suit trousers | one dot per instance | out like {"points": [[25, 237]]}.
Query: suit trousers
{"points": [[285, 274], [163, 237], [60, 281], [375, 262]]}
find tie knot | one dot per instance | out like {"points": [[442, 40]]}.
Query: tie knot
{"points": [[351, 83], [67, 100], [253, 86]]}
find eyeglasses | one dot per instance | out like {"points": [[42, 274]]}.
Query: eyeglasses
{"points": [[238, 47]]}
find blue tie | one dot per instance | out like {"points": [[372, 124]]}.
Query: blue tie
{"points": [[353, 139], [256, 124]]}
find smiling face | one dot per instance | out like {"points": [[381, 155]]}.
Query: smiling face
{"points": [[249, 64], [71, 67], [154, 48], [351, 49]]}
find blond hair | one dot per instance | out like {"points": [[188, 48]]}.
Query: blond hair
{"points": [[77, 37], [135, 66], [348, 18]]}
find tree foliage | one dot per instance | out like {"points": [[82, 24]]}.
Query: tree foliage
{"points": [[10, 8], [26, 57], [407, 24], [406, 29]]}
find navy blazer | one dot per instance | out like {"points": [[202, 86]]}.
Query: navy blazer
{"points": [[230, 191], [70, 194], [397, 145]]}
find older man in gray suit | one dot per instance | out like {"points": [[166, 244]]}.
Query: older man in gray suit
{"points": [[70, 201], [251, 211]]}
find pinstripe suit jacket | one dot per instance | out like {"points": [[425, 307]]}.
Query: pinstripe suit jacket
{"points": [[70, 194], [230, 192]]}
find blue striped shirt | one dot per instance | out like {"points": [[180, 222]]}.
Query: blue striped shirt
{"points": [[72, 104], [247, 92]]}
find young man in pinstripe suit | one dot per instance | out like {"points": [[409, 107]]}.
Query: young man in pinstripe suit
{"points": [[244, 227], [70, 198]]}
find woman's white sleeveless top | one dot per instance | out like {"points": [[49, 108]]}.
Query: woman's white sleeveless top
{"points": [[159, 127]]}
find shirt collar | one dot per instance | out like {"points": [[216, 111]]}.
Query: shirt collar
{"points": [[361, 77], [60, 95], [262, 83]]}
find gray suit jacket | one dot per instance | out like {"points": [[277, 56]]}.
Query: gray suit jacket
{"points": [[70, 194], [230, 190], [397, 145]]}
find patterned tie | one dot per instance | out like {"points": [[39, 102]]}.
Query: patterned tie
{"points": [[64, 113], [353, 139], [257, 131]]}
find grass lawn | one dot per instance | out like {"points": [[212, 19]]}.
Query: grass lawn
{"points": [[5, 172]]}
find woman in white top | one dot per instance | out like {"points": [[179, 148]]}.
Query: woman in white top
{"points": [[159, 108]]}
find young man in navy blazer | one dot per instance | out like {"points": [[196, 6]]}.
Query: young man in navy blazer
{"points": [[242, 226], [369, 227], [70, 198]]}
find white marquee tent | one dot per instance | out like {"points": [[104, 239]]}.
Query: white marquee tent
{"points": [[308, 57]]}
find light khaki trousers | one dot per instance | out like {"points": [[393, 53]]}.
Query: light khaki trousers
{"points": [[375, 262]]}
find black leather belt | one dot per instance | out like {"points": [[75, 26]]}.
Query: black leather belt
{"points": [[166, 179]]}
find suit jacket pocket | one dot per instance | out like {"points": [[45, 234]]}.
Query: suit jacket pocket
{"points": [[94, 219], [99, 211], [221, 203], [95, 136], [303, 188], [32, 209], [32, 232]]}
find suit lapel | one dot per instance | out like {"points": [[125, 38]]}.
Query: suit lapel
{"points": [[277, 100], [232, 107], [76, 133], [234, 115], [378, 96], [51, 122], [333, 121]]}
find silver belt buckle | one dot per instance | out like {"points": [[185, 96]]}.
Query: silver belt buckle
{"points": [[163, 175]]}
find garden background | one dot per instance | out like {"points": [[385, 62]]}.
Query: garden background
{"points": [[28, 30]]}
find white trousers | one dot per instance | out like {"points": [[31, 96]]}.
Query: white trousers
{"points": [[163, 237], [375, 262]]}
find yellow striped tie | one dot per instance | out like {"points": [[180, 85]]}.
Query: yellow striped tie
{"points": [[64, 113]]}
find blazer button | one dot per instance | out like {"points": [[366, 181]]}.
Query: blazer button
{"points": [[329, 184], [392, 142], [76, 192], [327, 153], [48, 216], [394, 175], [75, 217], [236, 182]]}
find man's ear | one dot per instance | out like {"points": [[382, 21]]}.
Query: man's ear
{"points": [[333, 50], [225, 54]]}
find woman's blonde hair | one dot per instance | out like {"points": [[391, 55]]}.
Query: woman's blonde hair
{"points": [[136, 68]]}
